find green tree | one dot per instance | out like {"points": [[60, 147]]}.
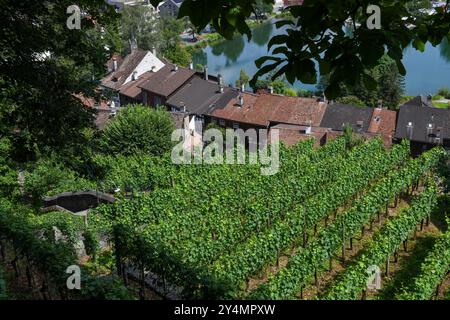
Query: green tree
{"points": [[317, 37], [140, 23], [243, 78], [263, 8], [444, 92], [290, 92], [8, 175], [139, 129], [178, 54], [305, 93], [353, 100], [389, 87], [390, 83], [43, 64]]}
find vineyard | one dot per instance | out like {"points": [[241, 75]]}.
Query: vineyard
{"points": [[228, 232]]}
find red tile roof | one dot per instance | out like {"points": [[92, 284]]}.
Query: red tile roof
{"points": [[383, 122], [265, 108], [91, 102]]}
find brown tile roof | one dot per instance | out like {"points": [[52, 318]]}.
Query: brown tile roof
{"points": [[166, 81], [132, 89], [265, 108], [115, 80]]}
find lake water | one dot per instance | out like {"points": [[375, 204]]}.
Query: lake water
{"points": [[427, 72]]}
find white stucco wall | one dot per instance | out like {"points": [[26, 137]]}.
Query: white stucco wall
{"points": [[146, 65]]}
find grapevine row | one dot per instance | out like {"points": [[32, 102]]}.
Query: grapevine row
{"points": [[432, 271], [305, 262], [354, 279], [251, 256]]}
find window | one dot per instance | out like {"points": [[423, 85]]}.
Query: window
{"points": [[214, 121], [235, 125], [222, 122]]}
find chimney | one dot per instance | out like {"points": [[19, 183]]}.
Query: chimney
{"points": [[409, 130], [154, 51], [241, 101], [133, 76], [219, 79], [221, 88], [242, 87], [183, 106], [430, 98], [206, 72], [309, 128], [270, 89], [153, 68], [114, 64], [191, 66], [175, 67]]}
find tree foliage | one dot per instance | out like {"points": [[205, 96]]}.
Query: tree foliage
{"points": [[150, 31], [317, 36], [138, 129], [43, 64], [388, 91]]}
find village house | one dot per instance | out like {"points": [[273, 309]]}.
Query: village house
{"points": [[162, 84], [122, 71], [295, 118], [197, 99], [424, 125], [368, 122], [199, 96], [170, 8]]}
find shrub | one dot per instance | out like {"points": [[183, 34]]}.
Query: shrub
{"points": [[138, 129], [352, 100], [305, 93], [49, 177], [445, 92], [290, 92], [8, 175]]}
